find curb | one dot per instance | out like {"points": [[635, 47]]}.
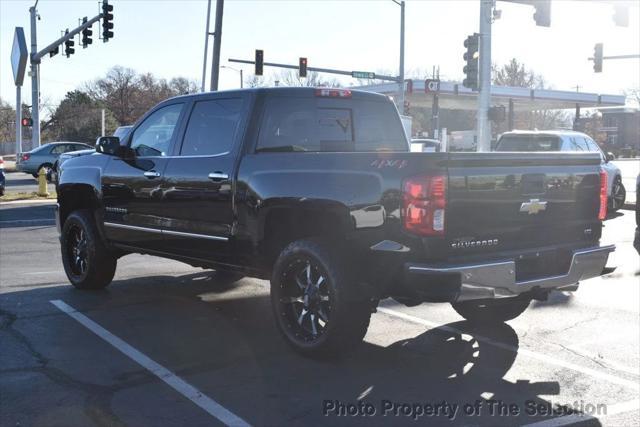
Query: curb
{"points": [[34, 201]]}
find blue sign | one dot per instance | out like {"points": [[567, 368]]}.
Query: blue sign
{"points": [[19, 56]]}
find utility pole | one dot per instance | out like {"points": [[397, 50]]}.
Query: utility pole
{"points": [[401, 68], [102, 127], [484, 96], [206, 46], [217, 39], [35, 81]]}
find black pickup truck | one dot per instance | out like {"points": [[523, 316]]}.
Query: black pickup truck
{"points": [[316, 190]]}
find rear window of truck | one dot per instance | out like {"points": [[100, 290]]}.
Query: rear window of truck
{"points": [[316, 124], [528, 143]]}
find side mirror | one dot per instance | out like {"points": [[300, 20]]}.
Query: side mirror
{"points": [[108, 145], [610, 156]]}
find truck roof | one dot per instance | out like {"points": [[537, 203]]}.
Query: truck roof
{"points": [[290, 91]]}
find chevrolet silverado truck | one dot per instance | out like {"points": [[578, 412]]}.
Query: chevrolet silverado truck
{"points": [[316, 190]]}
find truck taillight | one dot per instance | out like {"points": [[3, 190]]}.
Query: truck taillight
{"points": [[602, 213], [333, 93], [423, 205]]}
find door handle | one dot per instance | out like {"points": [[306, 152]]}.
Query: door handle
{"points": [[152, 174], [218, 176]]}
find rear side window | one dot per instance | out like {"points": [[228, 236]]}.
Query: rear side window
{"points": [[578, 144], [313, 124], [61, 148], [212, 127], [528, 143]]}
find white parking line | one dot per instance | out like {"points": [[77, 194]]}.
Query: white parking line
{"points": [[187, 390], [617, 409], [635, 385]]}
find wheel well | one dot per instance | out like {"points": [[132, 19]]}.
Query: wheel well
{"points": [[74, 197], [285, 225]]}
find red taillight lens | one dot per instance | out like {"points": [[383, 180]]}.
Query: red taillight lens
{"points": [[25, 156], [602, 213], [333, 93], [423, 205]]}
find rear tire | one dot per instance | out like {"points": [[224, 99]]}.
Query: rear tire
{"points": [[313, 301], [87, 262], [491, 311], [618, 195], [46, 167]]}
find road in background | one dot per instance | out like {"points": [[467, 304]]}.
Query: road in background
{"points": [[217, 333]]}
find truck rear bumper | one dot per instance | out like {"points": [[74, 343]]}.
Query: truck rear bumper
{"points": [[497, 279]]}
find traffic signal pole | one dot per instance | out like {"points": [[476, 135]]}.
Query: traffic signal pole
{"points": [[484, 95], [35, 59]]}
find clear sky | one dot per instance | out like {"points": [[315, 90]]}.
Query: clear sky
{"points": [[166, 37]]}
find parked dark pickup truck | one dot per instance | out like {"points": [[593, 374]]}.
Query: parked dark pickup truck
{"points": [[316, 190]]}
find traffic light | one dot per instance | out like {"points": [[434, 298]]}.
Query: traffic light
{"points": [[86, 35], [107, 17], [68, 47], [542, 15], [598, 52], [471, 58], [259, 62], [27, 121], [302, 67], [621, 15]]}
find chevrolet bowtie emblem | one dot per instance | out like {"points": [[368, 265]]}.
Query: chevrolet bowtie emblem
{"points": [[533, 206]]}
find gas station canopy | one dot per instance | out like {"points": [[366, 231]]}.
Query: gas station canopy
{"points": [[454, 96]]}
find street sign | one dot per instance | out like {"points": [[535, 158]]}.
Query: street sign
{"points": [[19, 56], [432, 86], [363, 75]]}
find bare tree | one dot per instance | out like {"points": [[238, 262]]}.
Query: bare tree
{"points": [[633, 95], [313, 79], [516, 74], [128, 95]]}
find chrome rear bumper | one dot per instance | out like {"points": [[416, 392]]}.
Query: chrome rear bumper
{"points": [[498, 279]]}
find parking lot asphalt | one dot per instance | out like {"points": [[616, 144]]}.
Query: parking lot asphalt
{"points": [[168, 344]]}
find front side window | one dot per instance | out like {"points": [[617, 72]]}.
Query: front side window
{"points": [[212, 127], [153, 137]]}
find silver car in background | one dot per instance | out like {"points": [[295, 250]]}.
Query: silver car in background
{"points": [[567, 140], [45, 156]]}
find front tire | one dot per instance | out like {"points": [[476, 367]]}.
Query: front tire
{"points": [[313, 301], [87, 262], [491, 311]]}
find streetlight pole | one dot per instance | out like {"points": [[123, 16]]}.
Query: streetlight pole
{"points": [[206, 46], [217, 39], [401, 68], [236, 70], [484, 96]]}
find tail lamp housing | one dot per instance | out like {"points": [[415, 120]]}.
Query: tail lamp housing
{"points": [[602, 212], [424, 203]]}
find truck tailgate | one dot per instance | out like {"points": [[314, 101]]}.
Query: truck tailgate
{"points": [[510, 201]]}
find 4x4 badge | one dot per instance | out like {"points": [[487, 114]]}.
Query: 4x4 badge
{"points": [[533, 206]]}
